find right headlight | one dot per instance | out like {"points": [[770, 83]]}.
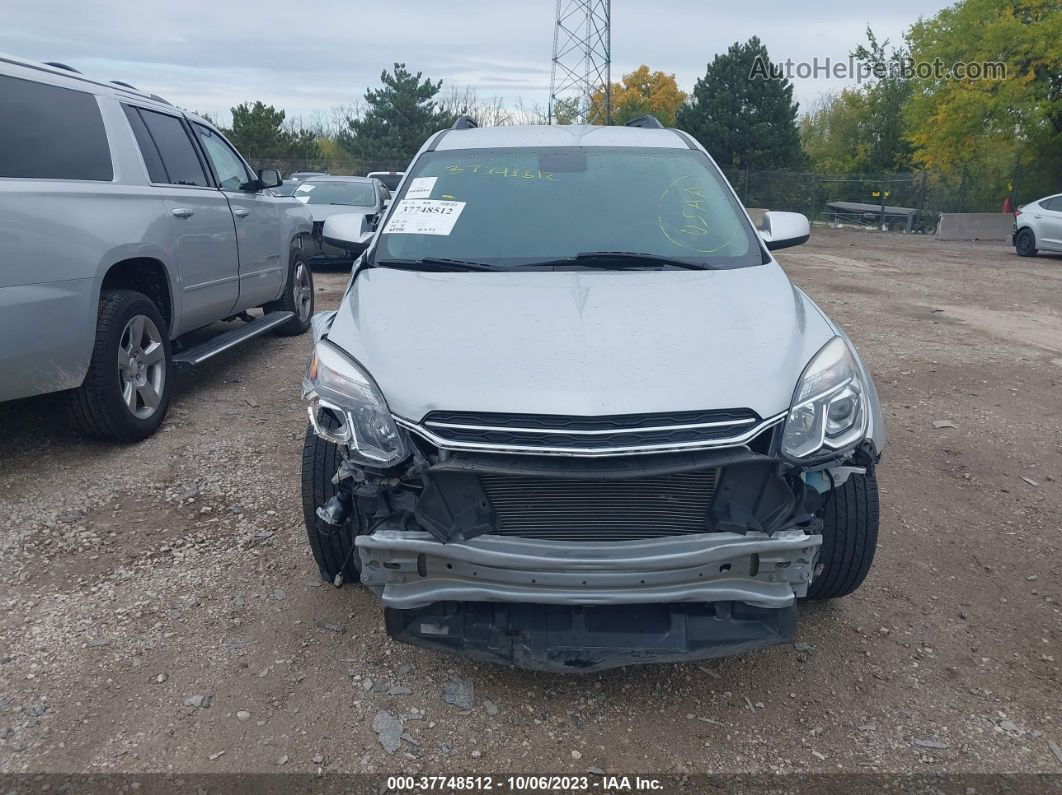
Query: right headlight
{"points": [[336, 384], [829, 406]]}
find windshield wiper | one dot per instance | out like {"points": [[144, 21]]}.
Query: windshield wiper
{"points": [[625, 259], [434, 264]]}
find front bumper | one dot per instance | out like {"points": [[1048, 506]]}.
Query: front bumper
{"points": [[411, 570]]}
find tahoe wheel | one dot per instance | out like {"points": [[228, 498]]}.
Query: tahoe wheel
{"points": [[297, 296], [126, 391], [332, 546], [849, 537], [1025, 243]]}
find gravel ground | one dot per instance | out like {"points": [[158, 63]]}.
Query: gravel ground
{"points": [[160, 610]]}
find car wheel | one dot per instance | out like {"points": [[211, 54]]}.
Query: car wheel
{"points": [[126, 391], [849, 537], [1025, 243], [297, 296], [333, 547]]}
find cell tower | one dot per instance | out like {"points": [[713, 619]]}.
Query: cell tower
{"points": [[582, 45]]}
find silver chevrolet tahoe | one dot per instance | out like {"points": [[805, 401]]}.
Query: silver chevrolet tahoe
{"points": [[125, 224], [571, 413]]}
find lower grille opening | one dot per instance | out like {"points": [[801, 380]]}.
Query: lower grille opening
{"points": [[601, 510]]}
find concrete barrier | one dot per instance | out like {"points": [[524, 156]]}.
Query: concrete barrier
{"points": [[975, 226]]}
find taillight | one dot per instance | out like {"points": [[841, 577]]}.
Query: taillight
{"points": [[1017, 213]]}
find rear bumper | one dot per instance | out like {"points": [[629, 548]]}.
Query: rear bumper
{"points": [[569, 639], [411, 570]]}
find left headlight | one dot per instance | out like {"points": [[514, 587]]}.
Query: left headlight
{"points": [[829, 406], [336, 383]]}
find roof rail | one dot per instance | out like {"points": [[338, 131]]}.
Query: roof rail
{"points": [[58, 65], [157, 98], [648, 121], [124, 84], [464, 123]]}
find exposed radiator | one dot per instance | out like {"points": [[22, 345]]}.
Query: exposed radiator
{"points": [[600, 510]]}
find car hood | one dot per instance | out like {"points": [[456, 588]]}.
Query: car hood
{"points": [[580, 342], [322, 212]]}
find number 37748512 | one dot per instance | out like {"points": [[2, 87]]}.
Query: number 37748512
{"points": [[424, 217]]}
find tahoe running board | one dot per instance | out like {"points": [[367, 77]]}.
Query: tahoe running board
{"points": [[197, 354]]}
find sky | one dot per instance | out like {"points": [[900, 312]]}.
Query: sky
{"points": [[308, 57]]}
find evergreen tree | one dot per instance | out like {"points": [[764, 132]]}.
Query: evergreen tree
{"points": [[741, 115], [258, 132], [398, 118]]}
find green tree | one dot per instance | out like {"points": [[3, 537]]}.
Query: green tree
{"points": [[744, 117], [1019, 111], [835, 133], [258, 131], [885, 99], [398, 118]]}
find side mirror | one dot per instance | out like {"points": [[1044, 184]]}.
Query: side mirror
{"points": [[269, 178], [782, 230], [349, 231]]}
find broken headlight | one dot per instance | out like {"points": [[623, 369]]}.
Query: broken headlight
{"points": [[359, 417], [829, 407]]}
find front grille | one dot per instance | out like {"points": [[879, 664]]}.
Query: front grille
{"points": [[531, 431], [600, 510]]}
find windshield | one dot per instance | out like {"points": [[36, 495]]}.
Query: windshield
{"points": [[529, 205], [361, 194]]}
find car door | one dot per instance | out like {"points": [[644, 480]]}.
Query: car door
{"points": [[204, 236], [1050, 223], [263, 255]]}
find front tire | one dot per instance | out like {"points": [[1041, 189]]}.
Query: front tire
{"points": [[298, 296], [126, 391], [1025, 243], [849, 537], [333, 547]]}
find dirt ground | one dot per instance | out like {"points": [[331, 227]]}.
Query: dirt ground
{"points": [[139, 582]]}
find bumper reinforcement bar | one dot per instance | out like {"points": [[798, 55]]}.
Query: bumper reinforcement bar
{"points": [[412, 570]]}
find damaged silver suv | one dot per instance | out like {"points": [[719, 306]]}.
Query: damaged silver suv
{"points": [[571, 414]]}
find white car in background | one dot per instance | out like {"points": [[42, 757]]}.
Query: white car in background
{"points": [[390, 179], [1038, 226]]}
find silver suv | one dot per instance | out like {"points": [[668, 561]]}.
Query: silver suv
{"points": [[126, 223], [571, 413]]}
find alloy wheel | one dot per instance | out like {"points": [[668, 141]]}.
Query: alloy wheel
{"points": [[141, 366]]}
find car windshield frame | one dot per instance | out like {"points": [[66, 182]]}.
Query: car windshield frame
{"points": [[300, 191], [740, 230]]}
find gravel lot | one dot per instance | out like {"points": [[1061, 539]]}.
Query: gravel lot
{"points": [[160, 610]]}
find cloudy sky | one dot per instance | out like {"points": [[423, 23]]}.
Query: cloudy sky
{"points": [[310, 56]]}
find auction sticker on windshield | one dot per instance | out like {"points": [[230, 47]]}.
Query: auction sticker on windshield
{"points": [[424, 217], [421, 187]]}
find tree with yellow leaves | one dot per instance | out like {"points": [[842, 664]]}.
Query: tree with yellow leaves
{"points": [[641, 92]]}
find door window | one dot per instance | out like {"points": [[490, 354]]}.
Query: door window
{"points": [[232, 173], [175, 148]]}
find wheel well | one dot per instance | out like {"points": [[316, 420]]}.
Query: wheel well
{"points": [[147, 276]]}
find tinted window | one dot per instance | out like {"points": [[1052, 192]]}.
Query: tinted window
{"points": [[1054, 204], [175, 147], [47, 132], [360, 194], [156, 171], [228, 166], [516, 207]]}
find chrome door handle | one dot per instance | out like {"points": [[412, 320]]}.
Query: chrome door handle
{"points": [[182, 212], [240, 212]]}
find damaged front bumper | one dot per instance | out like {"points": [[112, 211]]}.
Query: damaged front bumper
{"points": [[413, 569], [578, 606]]}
